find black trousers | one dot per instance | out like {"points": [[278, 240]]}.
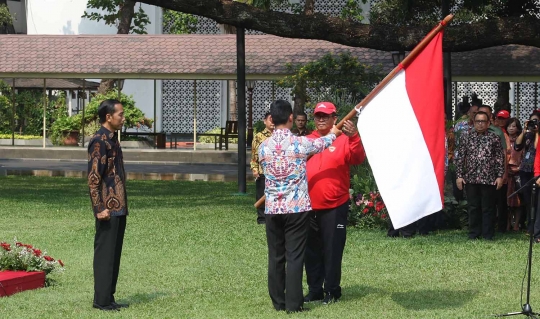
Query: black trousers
{"points": [[536, 223], [107, 251], [286, 235], [481, 206], [527, 191], [502, 208], [259, 192], [327, 235]]}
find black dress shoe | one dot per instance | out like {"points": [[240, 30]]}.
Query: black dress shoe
{"points": [[119, 305], [310, 297], [329, 298], [105, 308]]}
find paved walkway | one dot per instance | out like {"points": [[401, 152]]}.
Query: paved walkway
{"points": [[134, 170]]}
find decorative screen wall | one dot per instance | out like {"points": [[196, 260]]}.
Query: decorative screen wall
{"points": [[178, 106], [527, 97], [263, 95]]}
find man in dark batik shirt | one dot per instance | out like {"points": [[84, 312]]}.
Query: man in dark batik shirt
{"points": [[107, 180], [480, 167]]}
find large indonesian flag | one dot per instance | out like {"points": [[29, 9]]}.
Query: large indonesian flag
{"points": [[402, 130]]}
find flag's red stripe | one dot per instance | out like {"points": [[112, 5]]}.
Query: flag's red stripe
{"points": [[424, 82]]}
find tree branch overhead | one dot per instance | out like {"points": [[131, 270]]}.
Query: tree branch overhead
{"points": [[463, 37]]}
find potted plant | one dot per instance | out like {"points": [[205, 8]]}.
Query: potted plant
{"points": [[65, 130]]}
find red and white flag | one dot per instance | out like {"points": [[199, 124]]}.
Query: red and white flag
{"points": [[403, 133]]}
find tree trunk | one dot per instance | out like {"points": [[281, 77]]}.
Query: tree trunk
{"points": [[457, 37], [309, 7], [503, 97], [126, 13], [6, 28], [106, 85], [300, 98]]}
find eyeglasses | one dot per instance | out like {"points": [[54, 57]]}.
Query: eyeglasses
{"points": [[325, 117], [480, 122]]}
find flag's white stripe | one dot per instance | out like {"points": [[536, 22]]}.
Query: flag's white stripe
{"points": [[398, 155]]}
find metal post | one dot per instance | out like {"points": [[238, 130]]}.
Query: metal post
{"points": [[241, 102], [155, 112], [83, 109], [194, 115], [44, 111], [13, 113], [119, 99]]}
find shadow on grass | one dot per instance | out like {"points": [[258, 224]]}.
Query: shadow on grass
{"points": [[433, 299], [142, 298], [359, 291], [354, 292]]}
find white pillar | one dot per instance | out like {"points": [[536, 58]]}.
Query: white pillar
{"points": [[69, 102], [511, 99], [224, 102]]}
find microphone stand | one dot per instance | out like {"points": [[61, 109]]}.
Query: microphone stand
{"points": [[526, 309]]}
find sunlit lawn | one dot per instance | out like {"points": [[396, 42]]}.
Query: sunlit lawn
{"points": [[194, 250]]}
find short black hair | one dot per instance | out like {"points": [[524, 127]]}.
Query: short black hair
{"points": [[266, 115], [481, 113], [302, 114], [280, 110], [106, 107]]}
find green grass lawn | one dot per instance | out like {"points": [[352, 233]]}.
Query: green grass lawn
{"points": [[194, 250]]}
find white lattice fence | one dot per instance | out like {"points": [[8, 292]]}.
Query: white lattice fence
{"points": [[178, 103], [527, 97]]}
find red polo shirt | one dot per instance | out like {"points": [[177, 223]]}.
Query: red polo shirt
{"points": [[328, 172]]}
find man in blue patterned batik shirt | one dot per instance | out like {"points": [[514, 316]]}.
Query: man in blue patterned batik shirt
{"points": [[283, 159]]}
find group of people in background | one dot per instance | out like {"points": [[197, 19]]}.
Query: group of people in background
{"points": [[305, 177], [494, 157]]}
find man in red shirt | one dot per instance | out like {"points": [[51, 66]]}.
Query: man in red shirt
{"points": [[328, 176]]}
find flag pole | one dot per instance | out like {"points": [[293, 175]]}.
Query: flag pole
{"points": [[414, 53]]}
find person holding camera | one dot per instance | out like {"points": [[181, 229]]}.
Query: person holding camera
{"points": [[528, 141]]}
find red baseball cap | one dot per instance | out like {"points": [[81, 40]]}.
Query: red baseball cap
{"points": [[503, 114], [324, 107]]}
